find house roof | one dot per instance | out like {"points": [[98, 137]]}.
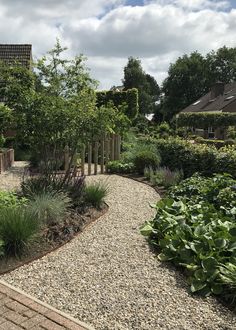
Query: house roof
{"points": [[224, 102], [10, 53]]}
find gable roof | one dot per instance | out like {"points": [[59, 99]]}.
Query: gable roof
{"points": [[10, 53], [224, 102]]}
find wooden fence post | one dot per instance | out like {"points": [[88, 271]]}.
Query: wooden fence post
{"points": [[107, 151], [67, 160], [96, 158], [82, 159], [102, 156], [89, 158], [112, 147]]}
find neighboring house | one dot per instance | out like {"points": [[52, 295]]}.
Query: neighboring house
{"points": [[221, 98], [15, 53], [11, 53], [117, 88]]}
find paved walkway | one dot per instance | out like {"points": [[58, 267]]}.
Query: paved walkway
{"points": [[20, 311]]}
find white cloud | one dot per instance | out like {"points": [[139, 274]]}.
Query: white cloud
{"points": [[108, 31]]}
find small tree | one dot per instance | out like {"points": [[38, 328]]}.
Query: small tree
{"points": [[58, 109]]}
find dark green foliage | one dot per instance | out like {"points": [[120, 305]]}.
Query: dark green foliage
{"points": [[192, 76], [5, 118], [48, 207], [177, 153], [73, 186], [205, 119], [146, 158], [17, 227], [129, 98], [148, 89], [195, 228], [95, 193], [117, 166]]}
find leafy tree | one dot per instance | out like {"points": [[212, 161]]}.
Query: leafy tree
{"points": [[148, 89], [191, 76], [56, 109]]}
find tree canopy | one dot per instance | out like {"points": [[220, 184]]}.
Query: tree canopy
{"points": [[192, 76], [148, 89], [55, 105]]}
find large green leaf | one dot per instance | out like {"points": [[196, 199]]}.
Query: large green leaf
{"points": [[209, 264]]}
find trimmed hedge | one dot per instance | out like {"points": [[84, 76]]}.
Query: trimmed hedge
{"points": [[128, 97], [206, 119], [216, 143], [177, 153]]}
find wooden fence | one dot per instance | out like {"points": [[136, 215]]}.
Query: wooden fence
{"points": [[95, 155], [6, 159]]}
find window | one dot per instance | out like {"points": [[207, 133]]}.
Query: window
{"points": [[211, 132]]}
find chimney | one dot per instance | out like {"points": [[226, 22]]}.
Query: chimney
{"points": [[217, 89]]}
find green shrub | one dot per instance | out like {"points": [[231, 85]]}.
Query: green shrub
{"points": [[117, 166], [17, 227], [95, 193], [146, 158], [177, 153], [49, 208], [11, 199]]}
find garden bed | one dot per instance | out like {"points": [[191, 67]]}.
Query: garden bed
{"points": [[52, 237], [6, 159]]}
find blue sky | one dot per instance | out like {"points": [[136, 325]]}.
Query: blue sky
{"points": [[109, 31]]}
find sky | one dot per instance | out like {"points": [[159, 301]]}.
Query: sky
{"points": [[107, 32]]}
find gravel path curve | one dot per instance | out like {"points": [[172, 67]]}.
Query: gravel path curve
{"points": [[109, 278]]}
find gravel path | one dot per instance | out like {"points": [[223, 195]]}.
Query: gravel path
{"points": [[109, 278], [12, 178]]}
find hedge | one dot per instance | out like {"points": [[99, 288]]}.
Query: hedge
{"points": [[206, 119], [177, 153], [128, 97]]}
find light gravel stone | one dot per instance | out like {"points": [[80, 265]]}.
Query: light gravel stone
{"points": [[11, 179], [109, 277]]}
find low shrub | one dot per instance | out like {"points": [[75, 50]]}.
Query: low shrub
{"points": [[195, 229], [11, 199], [49, 208], [95, 193], [117, 166], [17, 227], [146, 158]]}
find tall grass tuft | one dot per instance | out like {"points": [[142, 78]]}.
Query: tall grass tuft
{"points": [[49, 208], [95, 193], [17, 227]]}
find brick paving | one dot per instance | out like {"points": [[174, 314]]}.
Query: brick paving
{"points": [[20, 311]]}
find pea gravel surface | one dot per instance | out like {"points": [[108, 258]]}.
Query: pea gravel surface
{"points": [[109, 278]]}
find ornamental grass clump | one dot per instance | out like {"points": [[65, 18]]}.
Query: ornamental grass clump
{"points": [[49, 208], [17, 228], [95, 193]]}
